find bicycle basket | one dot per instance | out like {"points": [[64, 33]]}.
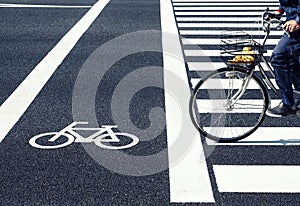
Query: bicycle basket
{"points": [[238, 48]]}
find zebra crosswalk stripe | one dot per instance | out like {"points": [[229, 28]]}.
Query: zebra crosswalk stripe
{"points": [[258, 178]]}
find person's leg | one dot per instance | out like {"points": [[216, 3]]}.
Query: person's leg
{"points": [[284, 82], [296, 64], [296, 78], [296, 73], [282, 60]]}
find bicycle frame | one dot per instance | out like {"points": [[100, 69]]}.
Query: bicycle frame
{"points": [[265, 78], [240, 92], [79, 138]]}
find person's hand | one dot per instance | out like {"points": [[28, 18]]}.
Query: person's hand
{"points": [[274, 15], [291, 26]]}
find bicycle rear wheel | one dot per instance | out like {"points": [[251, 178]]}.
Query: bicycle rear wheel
{"points": [[219, 114]]}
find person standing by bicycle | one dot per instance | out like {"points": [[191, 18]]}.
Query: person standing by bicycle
{"points": [[285, 59]]}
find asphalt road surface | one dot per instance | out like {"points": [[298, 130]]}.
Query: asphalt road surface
{"points": [[93, 108]]}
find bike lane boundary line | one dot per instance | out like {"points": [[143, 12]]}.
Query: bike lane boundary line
{"points": [[18, 102], [189, 178]]}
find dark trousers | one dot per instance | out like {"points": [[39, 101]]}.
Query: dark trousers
{"points": [[285, 61]]}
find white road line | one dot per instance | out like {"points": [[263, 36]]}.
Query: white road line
{"points": [[233, 9], [220, 25], [236, 1], [18, 102], [42, 6], [223, 4], [218, 32], [209, 66], [236, 13], [217, 106], [222, 83], [287, 136], [214, 19], [211, 53], [205, 66], [196, 41], [189, 178], [258, 178]]}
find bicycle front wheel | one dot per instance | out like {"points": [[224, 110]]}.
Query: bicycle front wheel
{"points": [[228, 105], [124, 141]]}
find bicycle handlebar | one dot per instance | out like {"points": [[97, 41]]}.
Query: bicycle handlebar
{"points": [[269, 21]]}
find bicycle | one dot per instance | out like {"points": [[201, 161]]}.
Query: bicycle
{"points": [[103, 137], [232, 101]]}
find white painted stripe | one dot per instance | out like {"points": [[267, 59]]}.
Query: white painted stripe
{"points": [[268, 135], [218, 32], [42, 6], [236, 13], [236, 1], [215, 9], [189, 178], [205, 66], [224, 4], [213, 19], [258, 178], [220, 25], [196, 41], [211, 53], [209, 66], [216, 106], [18, 102], [223, 83]]}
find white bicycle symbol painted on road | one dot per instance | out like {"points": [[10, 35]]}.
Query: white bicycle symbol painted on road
{"points": [[103, 137]]}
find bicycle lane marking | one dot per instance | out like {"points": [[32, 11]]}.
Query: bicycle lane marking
{"points": [[189, 178], [18, 102]]}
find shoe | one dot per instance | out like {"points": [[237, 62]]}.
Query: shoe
{"points": [[281, 110]]}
